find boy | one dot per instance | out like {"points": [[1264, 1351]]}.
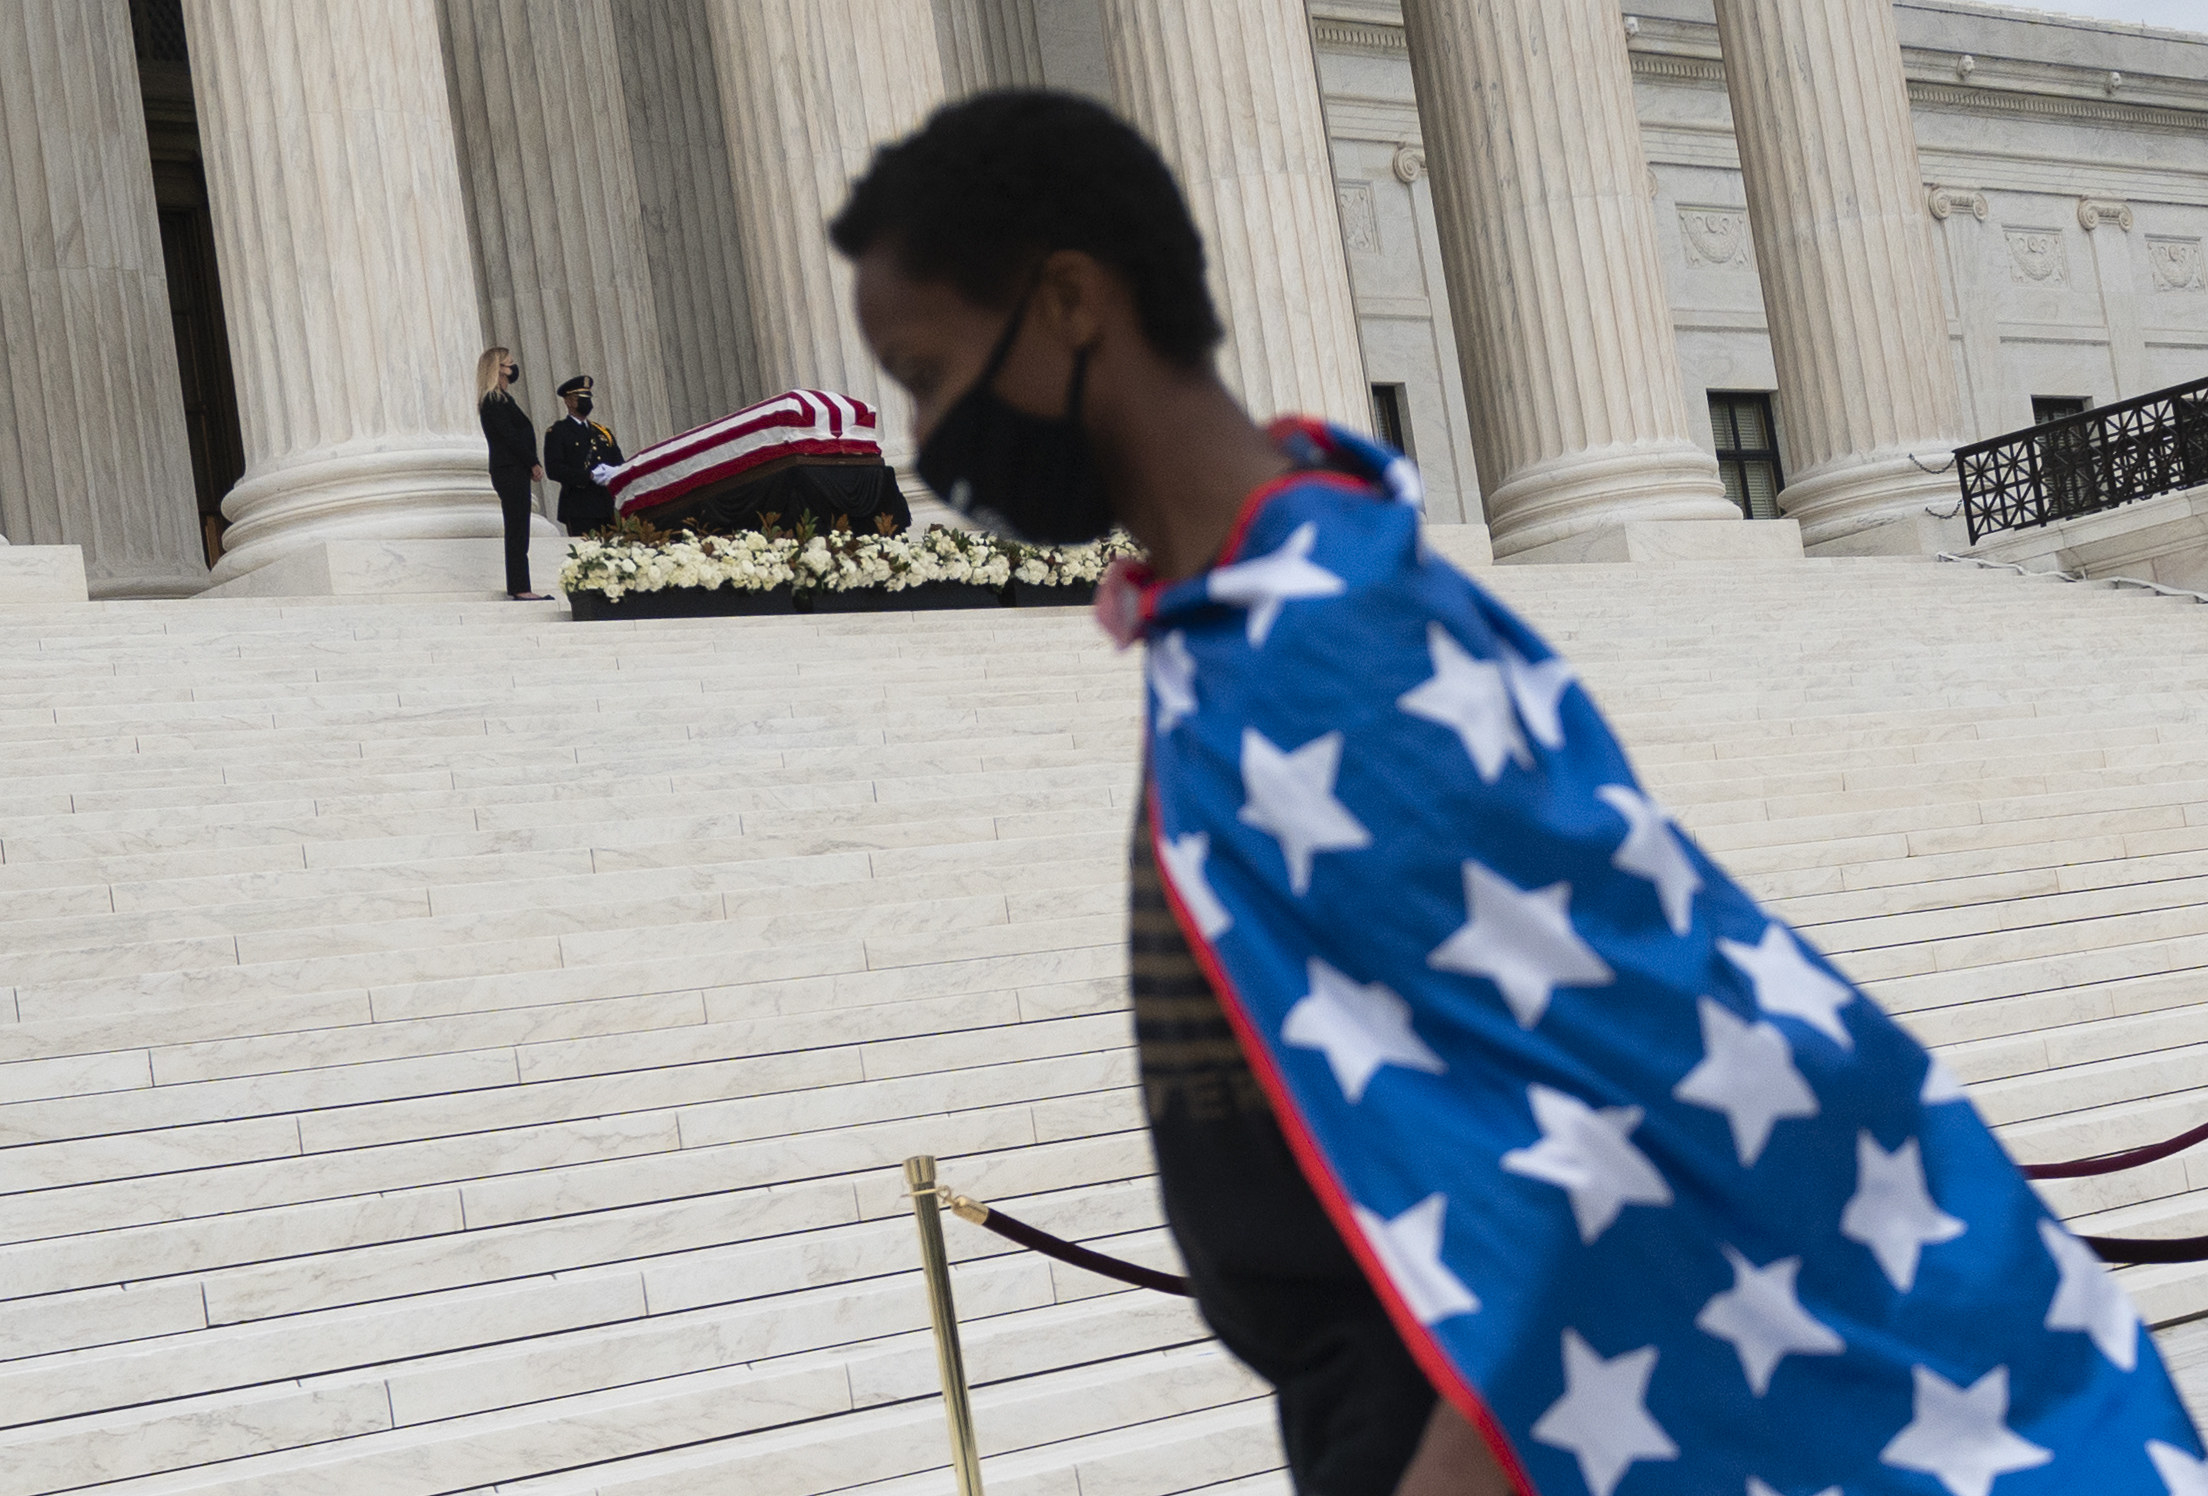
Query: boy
{"points": [[1467, 1074]]}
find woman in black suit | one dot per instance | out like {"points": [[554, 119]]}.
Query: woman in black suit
{"points": [[513, 439]]}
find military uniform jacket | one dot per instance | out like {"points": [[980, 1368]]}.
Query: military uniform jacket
{"points": [[571, 449]]}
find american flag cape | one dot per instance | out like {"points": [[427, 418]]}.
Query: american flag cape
{"points": [[1658, 1199]]}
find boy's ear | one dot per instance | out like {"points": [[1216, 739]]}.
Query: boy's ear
{"points": [[1074, 294]]}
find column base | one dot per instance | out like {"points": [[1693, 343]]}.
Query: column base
{"points": [[396, 569], [1852, 507], [42, 574], [1461, 545], [1923, 535], [143, 587], [438, 490], [1672, 540], [1603, 487]]}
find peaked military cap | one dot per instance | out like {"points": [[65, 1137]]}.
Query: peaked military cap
{"points": [[579, 385]]}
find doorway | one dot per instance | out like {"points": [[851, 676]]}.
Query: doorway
{"points": [[188, 255]]}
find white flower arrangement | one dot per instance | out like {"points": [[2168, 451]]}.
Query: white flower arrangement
{"points": [[838, 561]]}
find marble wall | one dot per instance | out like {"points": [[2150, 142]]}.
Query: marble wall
{"points": [[2021, 137]]}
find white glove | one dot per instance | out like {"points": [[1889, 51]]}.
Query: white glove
{"points": [[600, 474]]}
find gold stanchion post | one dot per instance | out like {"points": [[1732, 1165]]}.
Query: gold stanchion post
{"points": [[935, 1264]]}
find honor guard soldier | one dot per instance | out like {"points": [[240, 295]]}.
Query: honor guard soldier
{"points": [[580, 455]]}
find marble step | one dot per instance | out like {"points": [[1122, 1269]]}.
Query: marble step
{"points": [[798, 1446], [554, 1081]]}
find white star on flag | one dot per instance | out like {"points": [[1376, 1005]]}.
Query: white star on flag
{"points": [[1359, 1027], [1522, 940], [1940, 1085], [1291, 798], [1788, 984], [1892, 1211], [1270, 582], [1651, 850], [1409, 1248], [1602, 1418], [1758, 1488], [1172, 672], [1184, 869], [1747, 1072], [1763, 1318], [1588, 1154], [2180, 1472], [2088, 1299], [1539, 691], [1470, 698], [1960, 1436]]}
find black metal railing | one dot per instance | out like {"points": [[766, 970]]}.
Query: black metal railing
{"points": [[2082, 464]]}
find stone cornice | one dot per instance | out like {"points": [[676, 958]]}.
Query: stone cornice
{"points": [[1677, 54], [1674, 67], [1965, 99], [1360, 36]]}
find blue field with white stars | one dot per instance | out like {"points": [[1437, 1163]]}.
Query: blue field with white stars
{"points": [[1638, 1172]]}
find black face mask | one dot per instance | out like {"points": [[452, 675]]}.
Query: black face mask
{"points": [[1028, 477], [582, 405], [513, 373]]}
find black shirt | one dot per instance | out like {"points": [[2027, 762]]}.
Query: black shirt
{"points": [[1270, 1272], [508, 429]]}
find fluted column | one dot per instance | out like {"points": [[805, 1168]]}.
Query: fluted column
{"points": [[1229, 91], [342, 237], [989, 44], [552, 199], [1571, 367], [687, 202], [1867, 397], [93, 450], [810, 87]]}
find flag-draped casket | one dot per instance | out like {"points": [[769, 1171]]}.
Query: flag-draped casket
{"points": [[802, 452]]}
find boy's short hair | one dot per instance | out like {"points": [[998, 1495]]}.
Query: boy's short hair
{"points": [[989, 186]]}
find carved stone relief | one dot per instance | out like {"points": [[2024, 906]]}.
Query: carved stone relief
{"points": [[2179, 264], [1360, 218], [2037, 257], [1409, 163], [1717, 238]]}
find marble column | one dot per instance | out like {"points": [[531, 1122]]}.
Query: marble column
{"points": [[1571, 366], [93, 450], [552, 204], [1867, 399], [988, 44], [686, 197], [2107, 224], [1229, 91], [809, 88], [341, 232]]}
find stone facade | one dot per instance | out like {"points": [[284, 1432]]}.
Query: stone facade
{"points": [[2016, 126], [630, 187]]}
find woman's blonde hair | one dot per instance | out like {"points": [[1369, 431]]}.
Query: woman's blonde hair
{"points": [[490, 374]]}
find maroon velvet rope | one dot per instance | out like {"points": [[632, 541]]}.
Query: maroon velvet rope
{"points": [[1037, 1240], [2115, 1249], [2111, 1163], [2132, 1250]]}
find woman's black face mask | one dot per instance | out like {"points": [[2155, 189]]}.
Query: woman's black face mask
{"points": [[1028, 477]]}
